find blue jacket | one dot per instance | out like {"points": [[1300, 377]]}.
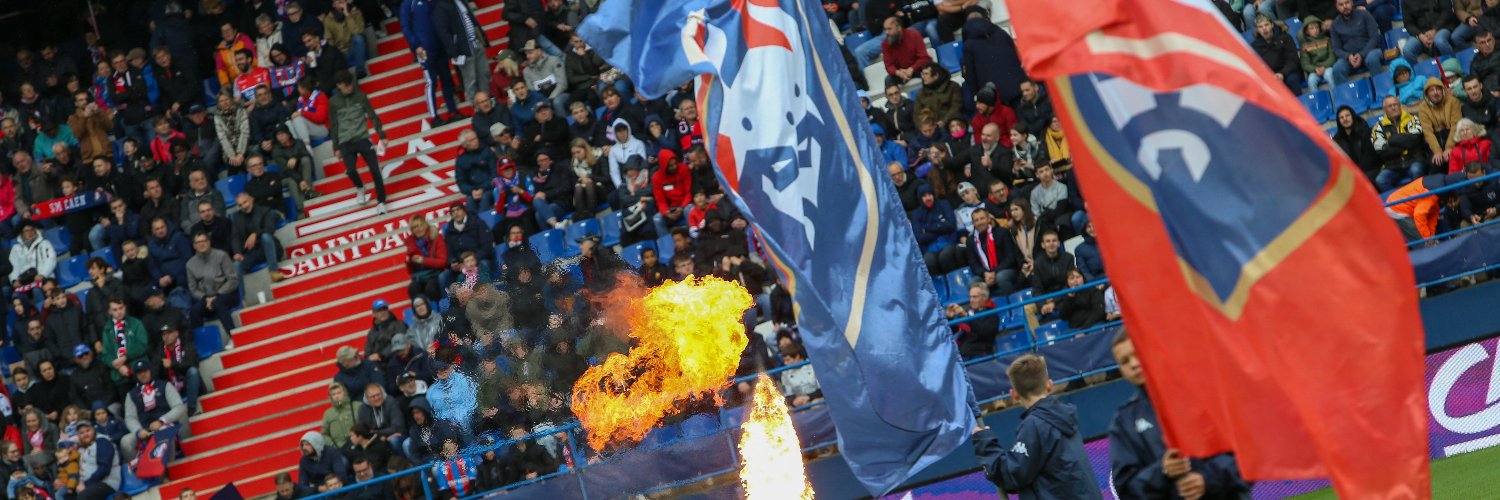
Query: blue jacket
{"points": [[1357, 35], [169, 257], [475, 169], [1409, 92], [893, 153], [417, 28], [1135, 451], [1090, 262], [934, 225], [475, 237], [1047, 460]]}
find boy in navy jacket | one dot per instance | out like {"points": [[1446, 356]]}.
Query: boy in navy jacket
{"points": [[1047, 459], [1142, 465]]}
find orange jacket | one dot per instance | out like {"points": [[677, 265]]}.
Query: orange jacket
{"points": [[1423, 211]]}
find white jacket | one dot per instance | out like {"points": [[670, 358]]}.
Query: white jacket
{"points": [[38, 254]]}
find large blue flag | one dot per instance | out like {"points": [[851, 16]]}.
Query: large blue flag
{"points": [[783, 123]]}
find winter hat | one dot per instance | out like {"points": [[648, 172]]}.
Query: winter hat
{"points": [[986, 95]]}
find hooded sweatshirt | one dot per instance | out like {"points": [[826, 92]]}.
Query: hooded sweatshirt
{"points": [[1438, 119], [1047, 460], [453, 399], [387, 419], [1410, 91], [672, 189], [324, 460], [1316, 51], [621, 152], [339, 418], [1355, 141]]}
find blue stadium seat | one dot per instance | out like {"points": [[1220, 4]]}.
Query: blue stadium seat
{"points": [[1384, 84], [1015, 318], [1395, 36], [950, 55], [1427, 69], [208, 341], [59, 238], [489, 217], [609, 227], [1356, 94], [1051, 330], [958, 286], [664, 248], [856, 39], [83, 298], [1294, 28], [210, 92], [231, 186], [1319, 103], [1466, 58], [108, 254], [548, 244], [132, 486], [632, 253], [1371, 120], [407, 317], [73, 271], [577, 230], [500, 254]]}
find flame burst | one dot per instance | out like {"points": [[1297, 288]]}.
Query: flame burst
{"points": [[689, 337], [769, 446]]}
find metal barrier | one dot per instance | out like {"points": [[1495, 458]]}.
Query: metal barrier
{"points": [[1032, 345]]}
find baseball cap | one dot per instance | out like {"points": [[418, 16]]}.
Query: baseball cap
{"points": [[80, 350], [530, 45], [542, 104], [965, 186], [196, 108], [380, 304], [400, 341], [498, 129], [140, 366]]}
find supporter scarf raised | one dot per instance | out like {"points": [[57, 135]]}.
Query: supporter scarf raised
{"points": [[120, 338], [457, 475], [174, 353]]}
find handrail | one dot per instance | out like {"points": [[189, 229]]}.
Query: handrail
{"points": [[1033, 300], [1445, 189], [1441, 236]]}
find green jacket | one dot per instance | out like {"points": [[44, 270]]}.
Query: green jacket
{"points": [[347, 117], [1316, 50], [136, 348], [338, 420]]}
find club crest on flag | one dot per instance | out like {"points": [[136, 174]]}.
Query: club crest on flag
{"points": [[1182, 153]]}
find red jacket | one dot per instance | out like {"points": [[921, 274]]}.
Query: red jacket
{"points": [[1000, 115], [909, 52], [1469, 150], [161, 147], [435, 258], [671, 190], [7, 198], [314, 107]]}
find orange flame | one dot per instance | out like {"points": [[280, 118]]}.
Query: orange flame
{"points": [[773, 456], [689, 337]]}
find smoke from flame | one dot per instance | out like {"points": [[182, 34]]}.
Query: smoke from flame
{"points": [[689, 337], [773, 457]]}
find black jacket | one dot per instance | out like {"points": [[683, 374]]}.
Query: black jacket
{"points": [[1036, 115], [91, 384], [1279, 52], [1050, 274], [1355, 141], [177, 86], [128, 89], [976, 337], [448, 22], [1083, 308], [990, 56], [1047, 460], [1423, 15], [1135, 451], [474, 237], [1007, 256], [329, 63], [260, 220]]}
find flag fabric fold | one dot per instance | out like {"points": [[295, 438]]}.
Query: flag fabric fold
{"points": [[1269, 295], [795, 153]]}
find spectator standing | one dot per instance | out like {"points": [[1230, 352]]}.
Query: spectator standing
{"points": [[464, 40], [232, 125], [129, 94], [344, 28], [151, 406], [91, 125], [1048, 458], [351, 137], [990, 58], [324, 61], [427, 50], [213, 283]]}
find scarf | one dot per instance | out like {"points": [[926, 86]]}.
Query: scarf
{"points": [[457, 475], [1057, 147], [148, 397], [174, 353], [120, 338]]}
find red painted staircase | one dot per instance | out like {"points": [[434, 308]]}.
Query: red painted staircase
{"points": [[340, 259]]}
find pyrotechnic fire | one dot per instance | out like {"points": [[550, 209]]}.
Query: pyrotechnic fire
{"points": [[689, 342], [773, 456]]}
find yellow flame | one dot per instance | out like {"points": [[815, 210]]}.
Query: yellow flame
{"points": [[773, 456], [689, 337]]}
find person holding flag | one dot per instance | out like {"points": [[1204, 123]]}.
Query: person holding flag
{"points": [[1217, 200], [794, 152]]}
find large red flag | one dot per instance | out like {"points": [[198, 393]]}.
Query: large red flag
{"points": [[1269, 296]]}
